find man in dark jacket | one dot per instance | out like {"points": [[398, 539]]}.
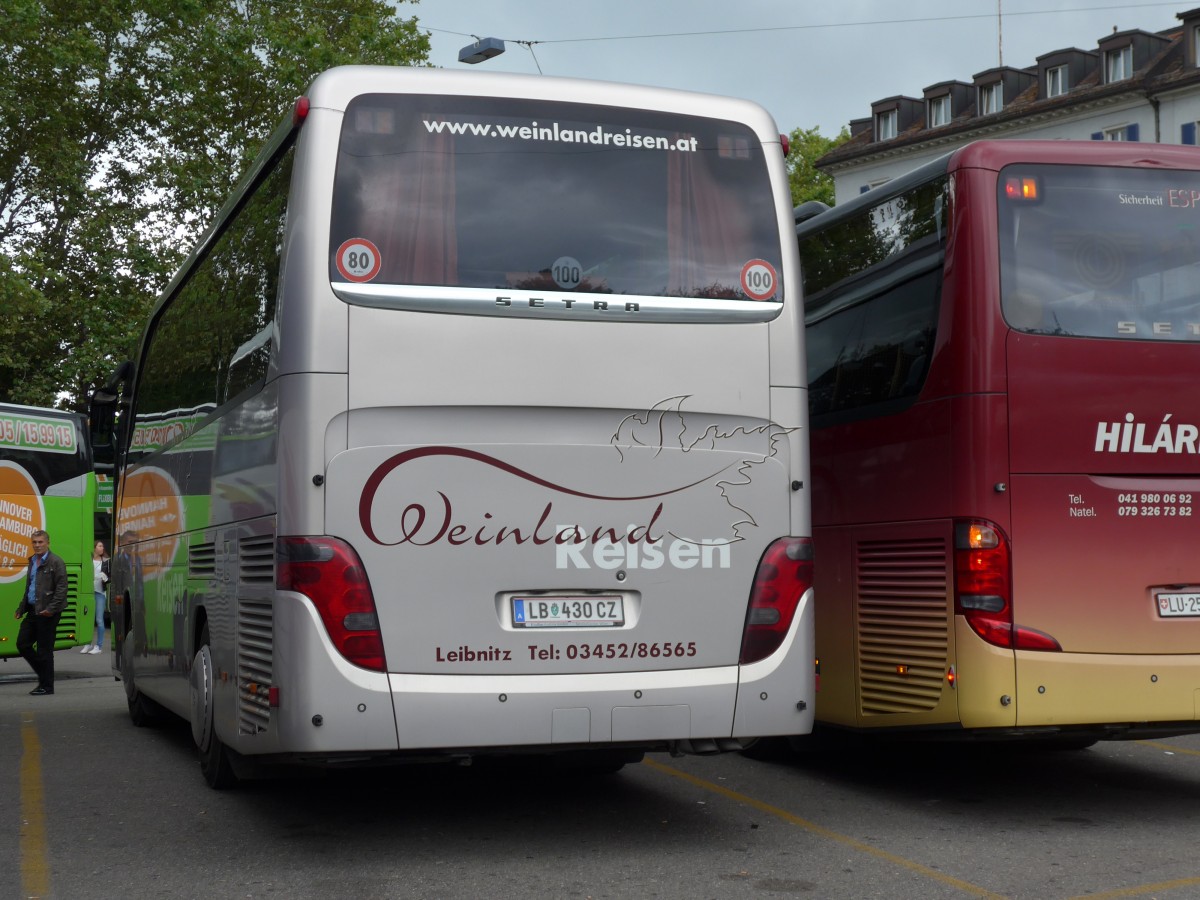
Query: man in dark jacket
{"points": [[42, 603]]}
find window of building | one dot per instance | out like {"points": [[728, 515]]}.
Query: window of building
{"points": [[1118, 64], [1056, 81], [1117, 133], [991, 98], [886, 125], [939, 111], [1196, 44], [1187, 133]]}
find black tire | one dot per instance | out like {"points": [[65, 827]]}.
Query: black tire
{"points": [[143, 711], [215, 758]]}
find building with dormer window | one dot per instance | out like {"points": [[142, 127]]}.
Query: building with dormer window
{"points": [[1132, 86]]}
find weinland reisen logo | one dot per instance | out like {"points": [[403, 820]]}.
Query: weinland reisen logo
{"points": [[646, 542], [579, 546]]}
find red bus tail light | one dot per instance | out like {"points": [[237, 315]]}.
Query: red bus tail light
{"points": [[330, 574], [784, 573], [1023, 188], [983, 588], [983, 581]]}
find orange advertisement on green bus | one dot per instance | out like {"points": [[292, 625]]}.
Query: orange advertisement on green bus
{"points": [[46, 483], [158, 505]]}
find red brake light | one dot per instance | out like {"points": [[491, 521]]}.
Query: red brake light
{"points": [[300, 111], [1032, 639], [983, 588], [1022, 187], [786, 143], [330, 574], [784, 573]]}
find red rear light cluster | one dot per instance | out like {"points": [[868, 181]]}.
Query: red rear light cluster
{"points": [[330, 574], [784, 573], [1022, 188], [300, 111], [983, 588]]}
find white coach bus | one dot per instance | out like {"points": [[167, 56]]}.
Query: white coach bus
{"points": [[476, 423]]}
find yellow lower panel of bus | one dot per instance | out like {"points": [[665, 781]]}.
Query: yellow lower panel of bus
{"points": [[1079, 689], [986, 681]]}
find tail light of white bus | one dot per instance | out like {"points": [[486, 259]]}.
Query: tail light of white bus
{"points": [[784, 573], [331, 575]]}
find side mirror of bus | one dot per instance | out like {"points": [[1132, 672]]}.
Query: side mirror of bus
{"points": [[102, 420], [104, 423]]}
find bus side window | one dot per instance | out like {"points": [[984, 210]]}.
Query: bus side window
{"points": [[876, 350]]}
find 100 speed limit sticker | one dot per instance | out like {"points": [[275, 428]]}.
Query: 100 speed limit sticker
{"points": [[759, 280]]}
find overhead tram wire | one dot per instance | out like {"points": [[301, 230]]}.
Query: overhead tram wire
{"points": [[777, 28]]}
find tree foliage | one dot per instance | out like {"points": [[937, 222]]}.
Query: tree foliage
{"points": [[807, 146], [123, 124]]}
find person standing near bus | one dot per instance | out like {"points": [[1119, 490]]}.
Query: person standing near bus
{"points": [[100, 574], [42, 603]]}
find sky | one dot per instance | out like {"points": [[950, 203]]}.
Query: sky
{"points": [[809, 64]]}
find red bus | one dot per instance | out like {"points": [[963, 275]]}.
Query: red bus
{"points": [[1002, 360]]}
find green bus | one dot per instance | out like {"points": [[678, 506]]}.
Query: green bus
{"points": [[46, 482]]}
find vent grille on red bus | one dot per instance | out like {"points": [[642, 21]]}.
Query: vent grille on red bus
{"points": [[903, 624], [255, 630]]}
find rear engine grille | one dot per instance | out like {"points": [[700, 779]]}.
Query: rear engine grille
{"points": [[202, 560], [256, 560], [256, 632], [903, 624], [254, 665]]}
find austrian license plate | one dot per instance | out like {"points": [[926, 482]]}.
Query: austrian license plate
{"points": [[568, 612], [1171, 605]]}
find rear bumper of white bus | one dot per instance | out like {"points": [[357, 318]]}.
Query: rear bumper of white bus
{"points": [[329, 706]]}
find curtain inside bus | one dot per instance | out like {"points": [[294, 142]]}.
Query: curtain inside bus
{"points": [[497, 193]]}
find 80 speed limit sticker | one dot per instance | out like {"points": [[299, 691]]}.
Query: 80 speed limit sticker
{"points": [[358, 260], [759, 280]]}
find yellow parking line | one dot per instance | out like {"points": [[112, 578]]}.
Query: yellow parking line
{"points": [[823, 832], [1170, 748], [1158, 888], [35, 857], [1142, 890]]}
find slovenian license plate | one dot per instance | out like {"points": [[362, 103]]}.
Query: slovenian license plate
{"points": [[1179, 604], [568, 611]]}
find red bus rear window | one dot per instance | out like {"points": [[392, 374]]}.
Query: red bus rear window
{"points": [[1105, 252]]}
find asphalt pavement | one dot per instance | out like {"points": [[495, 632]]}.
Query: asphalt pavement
{"points": [[69, 665]]}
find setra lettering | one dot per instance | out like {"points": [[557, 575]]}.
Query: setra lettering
{"points": [[1160, 329]]}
